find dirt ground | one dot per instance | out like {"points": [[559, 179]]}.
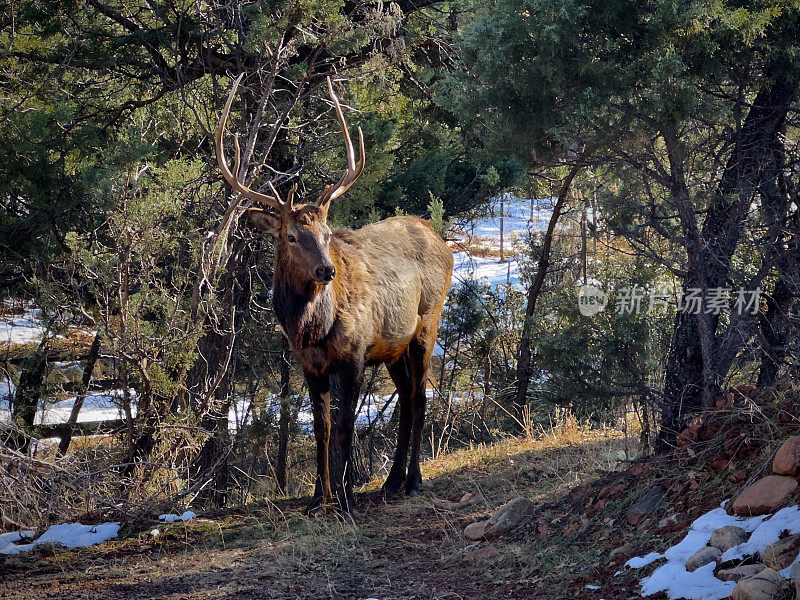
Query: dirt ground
{"points": [[398, 549]]}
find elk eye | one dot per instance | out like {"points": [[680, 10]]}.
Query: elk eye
{"points": [[291, 239]]}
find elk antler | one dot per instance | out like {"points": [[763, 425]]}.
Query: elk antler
{"points": [[352, 173], [273, 201]]}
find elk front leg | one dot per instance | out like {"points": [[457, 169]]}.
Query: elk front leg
{"points": [[319, 390], [350, 378]]}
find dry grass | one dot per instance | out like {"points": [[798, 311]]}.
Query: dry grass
{"points": [[397, 549]]}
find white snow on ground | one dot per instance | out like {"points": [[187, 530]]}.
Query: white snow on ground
{"points": [[171, 518], [642, 561], [7, 540], [7, 389], [99, 406], [677, 582], [71, 535], [485, 268], [22, 328], [483, 236], [786, 519]]}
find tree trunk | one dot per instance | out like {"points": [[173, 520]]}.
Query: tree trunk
{"points": [[91, 361], [209, 382], [776, 323], [524, 353], [692, 378], [285, 416], [26, 398], [774, 333]]}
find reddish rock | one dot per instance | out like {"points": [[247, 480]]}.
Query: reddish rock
{"points": [[787, 459], [794, 578], [720, 462], [739, 573], [737, 476], [690, 435], [765, 495], [748, 391]]}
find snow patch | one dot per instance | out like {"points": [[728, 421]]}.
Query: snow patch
{"points": [[521, 218], [637, 562], [70, 535], [171, 518], [23, 328], [677, 582], [98, 406], [673, 578], [766, 533], [8, 540]]}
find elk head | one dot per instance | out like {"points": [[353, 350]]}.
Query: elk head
{"points": [[302, 232]]}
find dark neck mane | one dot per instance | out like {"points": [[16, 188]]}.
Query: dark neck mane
{"points": [[305, 309]]}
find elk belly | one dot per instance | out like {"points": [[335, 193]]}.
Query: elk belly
{"points": [[387, 351]]}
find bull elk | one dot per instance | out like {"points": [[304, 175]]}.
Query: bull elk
{"points": [[348, 299]]}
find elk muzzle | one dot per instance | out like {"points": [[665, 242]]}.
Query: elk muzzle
{"points": [[325, 273]]}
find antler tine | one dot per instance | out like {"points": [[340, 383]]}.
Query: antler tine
{"points": [[233, 178], [353, 172]]}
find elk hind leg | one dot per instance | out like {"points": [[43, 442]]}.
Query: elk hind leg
{"points": [[400, 372], [420, 351]]}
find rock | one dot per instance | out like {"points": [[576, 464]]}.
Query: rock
{"points": [[703, 557], [667, 521], [475, 531], [620, 551], [787, 459], [767, 585], [720, 462], [739, 573], [727, 537], [645, 505], [794, 579], [765, 495], [477, 554], [508, 517], [737, 476], [782, 553]]}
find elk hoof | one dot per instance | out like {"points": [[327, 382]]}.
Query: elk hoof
{"points": [[315, 507], [392, 485], [411, 486]]}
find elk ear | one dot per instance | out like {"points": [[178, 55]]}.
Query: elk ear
{"points": [[266, 222]]}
